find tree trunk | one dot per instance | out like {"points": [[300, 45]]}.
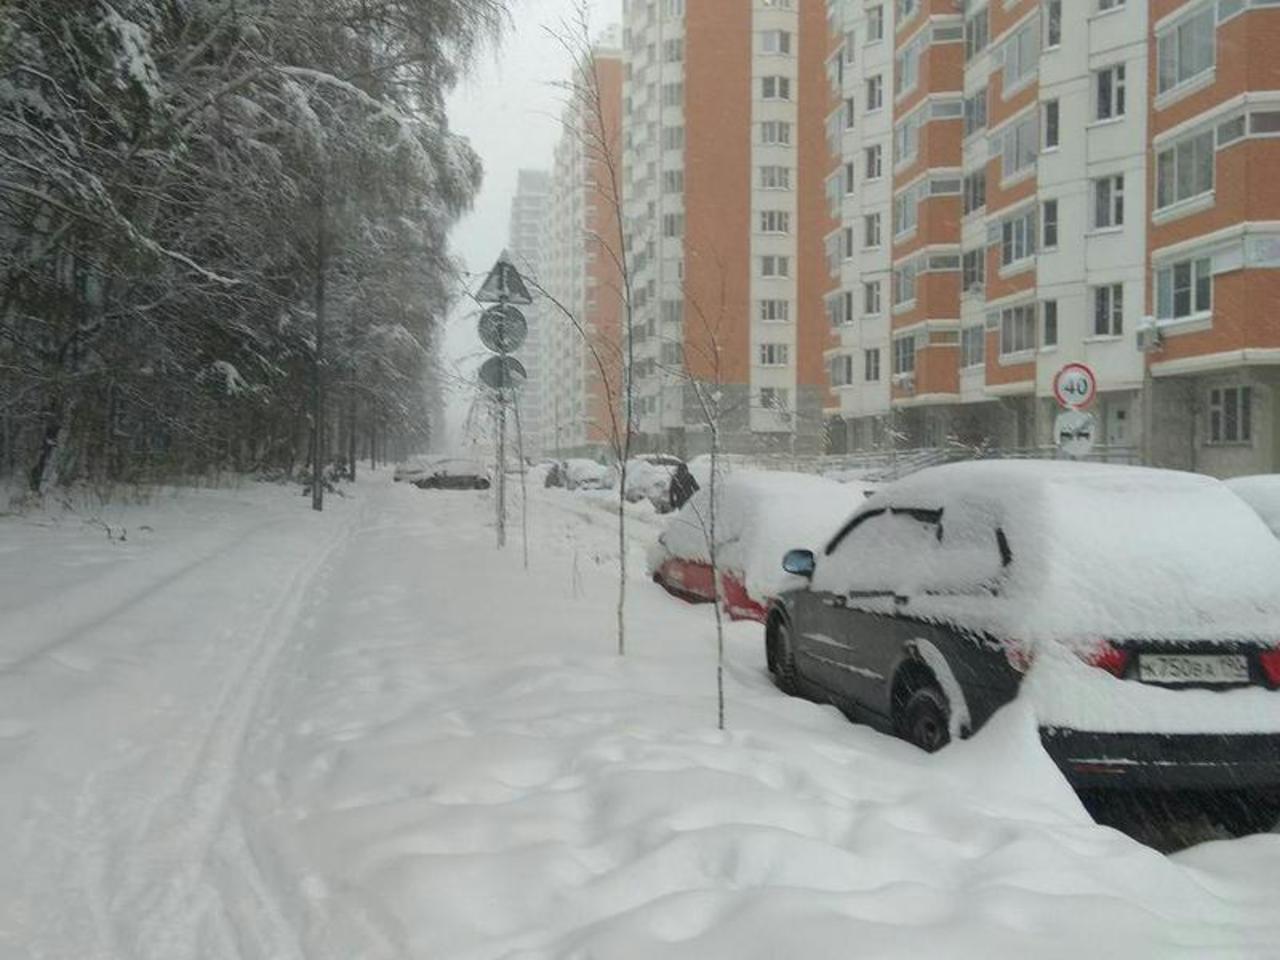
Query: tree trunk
{"points": [[317, 386]]}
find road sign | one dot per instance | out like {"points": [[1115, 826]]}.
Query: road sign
{"points": [[504, 283], [503, 329], [1075, 432], [1075, 386], [502, 373]]}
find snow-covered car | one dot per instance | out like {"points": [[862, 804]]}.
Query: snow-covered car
{"points": [[1262, 492], [649, 478], [758, 515], [454, 474], [1136, 611], [414, 468], [581, 474]]}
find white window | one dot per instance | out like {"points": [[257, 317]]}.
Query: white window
{"points": [[673, 138], [973, 346], [875, 92], [776, 41], [775, 266], [673, 50], [775, 398], [904, 355], [874, 162], [672, 181], [1184, 288], [846, 243], [1049, 225], [775, 88], [904, 283], [906, 9], [906, 72], [1108, 201], [1108, 310], [848, 178], [1051, 129], [848, 114], [975, 112], [973, 271], [1052, 23], [1021, 56], [775, 311], [871, 365], [1184, 170], [775, 178], [975, 191], [906, 139], [673, 8], [1187, 50], [774, 354], [672, 311], [775, 133], [672, 94], [775, 221], [977, 34], [871, 298], [1109, 86], [871, 230], [1018, 238], [875, 23], [1019, 146], [1104, 5], [1049, 323], [673, 224], [1231, 415], [1018, 329]]}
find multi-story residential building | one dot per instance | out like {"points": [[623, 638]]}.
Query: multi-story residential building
{"points": [[524, 246], [1070, 181], [724, 160], [582, 332]]}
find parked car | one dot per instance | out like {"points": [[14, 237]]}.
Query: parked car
{"points": [[581, 474], [1262, 492], [758, 513], [454, 474], [414, 468], [649, 478], [1135, 610]]}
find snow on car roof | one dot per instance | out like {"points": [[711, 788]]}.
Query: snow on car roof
{"points": [[1262, 492], [1094, 551]]}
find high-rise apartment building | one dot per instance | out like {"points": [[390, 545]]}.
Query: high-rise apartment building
{"points": [[524, 245], [724, 161], [582, 328], [1031, 182]]}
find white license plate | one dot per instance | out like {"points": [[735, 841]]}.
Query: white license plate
{"points": [[1193, 668]]}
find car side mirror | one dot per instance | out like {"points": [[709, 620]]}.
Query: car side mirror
{"points": [[799, 562]]}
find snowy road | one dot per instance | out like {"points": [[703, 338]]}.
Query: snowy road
{"points": [[248, 731]]}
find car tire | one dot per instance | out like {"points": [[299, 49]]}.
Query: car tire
{"points": [[926, 718], [785, 673]]}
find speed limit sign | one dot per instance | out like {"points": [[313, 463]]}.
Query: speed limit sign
{"points": [[1075, 386]]}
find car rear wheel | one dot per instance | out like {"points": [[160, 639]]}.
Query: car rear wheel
{"points": [[784, 659], [926, 718]]}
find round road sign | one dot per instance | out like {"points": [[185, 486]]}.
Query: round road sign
{"points": [[1075, 431], [502, 373], [1075, 386], [503, 328]]}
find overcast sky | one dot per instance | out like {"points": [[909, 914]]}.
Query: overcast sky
{"points": [[508, 107]]}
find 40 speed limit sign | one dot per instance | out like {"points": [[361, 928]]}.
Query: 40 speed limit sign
{"points": [[1075, 386]]}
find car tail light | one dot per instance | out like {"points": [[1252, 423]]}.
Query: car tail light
{"points": [[1018, 655], [1108, 657], [1270, 661]]}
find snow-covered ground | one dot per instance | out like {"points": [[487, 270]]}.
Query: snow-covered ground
{"points": [[250, 731]]}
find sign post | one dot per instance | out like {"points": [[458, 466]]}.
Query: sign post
{"points": [[1075, 430], [503, 329]]}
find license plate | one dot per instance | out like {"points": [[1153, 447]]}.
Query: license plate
{"points": [[1193, 668]]}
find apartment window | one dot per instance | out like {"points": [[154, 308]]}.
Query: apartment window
{"points": [[973, 346], [672, 181], [1021, 56], [673, 8], [1051, 129], [1231, 415], [871, 365], [846, 246], [775, 266], [774, 354], [672, 311], [850, 46], [1049, 225], [1184, 288], [875, 92], [1186, 51], [672, 94], [1108, 202], [1108, 310], [977, 33], [871, 298], [904, 355], [906, 9], [673, 50], [871, 230], [906, 73], [1053, 23], [1019, 146], [875, 23], [775, 133], [874, 161], [1105, 5], [673, 224], [904, 283], [775, 221], [1109, 92], [975, 112], [1184, 170], [775, 178], [848, 113], [775, 311], [1049, 323], [672, 138], [1018, 238], [775, 398], [973, 270], [906, 138], [1018, 329], [975, 191], [776, 41], [906, 209], [775, 88]]}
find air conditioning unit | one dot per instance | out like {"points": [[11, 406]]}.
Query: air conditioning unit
{"points": [[1149, 338]]}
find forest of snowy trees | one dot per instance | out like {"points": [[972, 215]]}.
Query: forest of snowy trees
{"points": [[212, 211]]}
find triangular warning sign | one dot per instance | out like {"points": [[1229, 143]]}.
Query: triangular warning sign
{"points": [[504, 283]]}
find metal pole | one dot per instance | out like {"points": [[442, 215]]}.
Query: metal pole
{"points": [[524, 487], [502, 438]]}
